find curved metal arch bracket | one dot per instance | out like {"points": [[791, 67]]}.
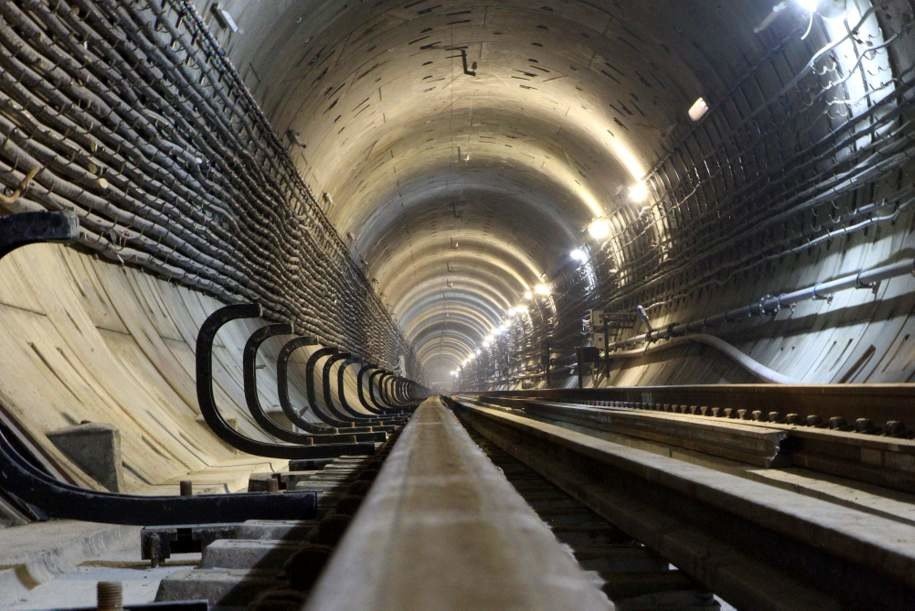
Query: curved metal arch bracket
{"points": [[383, 405], [360, 389], [214, 419], [257, 411], [345, 411], [332, 413], [62, 500], [282, 379]]}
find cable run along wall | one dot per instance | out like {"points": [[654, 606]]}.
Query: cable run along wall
{"points": [[130, 115]]}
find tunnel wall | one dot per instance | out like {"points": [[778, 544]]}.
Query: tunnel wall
{"points": [[801, 172], [128, 114], [84, 339]]}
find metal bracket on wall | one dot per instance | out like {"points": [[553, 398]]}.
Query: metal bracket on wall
{"points": [[57, 499]]}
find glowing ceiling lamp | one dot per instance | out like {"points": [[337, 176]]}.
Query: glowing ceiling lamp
{"points": [[638, 193], [579, 255], [543, 289], [698, 109], [528, 295], [599, 229]]}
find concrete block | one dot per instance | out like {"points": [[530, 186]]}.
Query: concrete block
{"points": [[95, 448], [224, 587], [249, 553], [275, 529]]}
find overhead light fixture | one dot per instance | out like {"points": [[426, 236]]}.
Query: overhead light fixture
{"points": [[599, 229], [543, 289], [698, 109], [638, 193], [579, 255]]}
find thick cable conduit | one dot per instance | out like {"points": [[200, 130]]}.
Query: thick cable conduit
{"points": [[144, 142], [768, 305], [772, 304], [762, 372]]}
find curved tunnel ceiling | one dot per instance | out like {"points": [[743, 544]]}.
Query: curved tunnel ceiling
{"points": [[462, 147]]}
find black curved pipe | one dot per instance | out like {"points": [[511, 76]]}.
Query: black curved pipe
{"points": [[257, 411], [332, 414], [374, 390], [371, 384], [344, 409], [341, 386], [282, 379], [360, 389], [18, 230], [326, 390], [400, 397], [214, 419], [383, 403], [57, 499], [61, 500]]}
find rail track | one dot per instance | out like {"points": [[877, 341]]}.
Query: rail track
{"points": [[705, 492], [629, 573], [556, 499]]}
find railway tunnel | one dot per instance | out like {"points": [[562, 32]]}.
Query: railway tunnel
{"points": [[454, 305]]}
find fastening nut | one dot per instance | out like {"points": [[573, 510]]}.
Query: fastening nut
{"points": [[838, 423], [864, 425], [814, 420], [894, 428]]}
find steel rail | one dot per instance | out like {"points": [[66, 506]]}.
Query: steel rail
{"points": [[755, 545], [886, 408]]}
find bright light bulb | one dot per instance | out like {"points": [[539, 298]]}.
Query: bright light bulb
{"points": [[579, 255], [599, 229], [638, 193], [528, 295], [543, 289], [698, 109]]}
